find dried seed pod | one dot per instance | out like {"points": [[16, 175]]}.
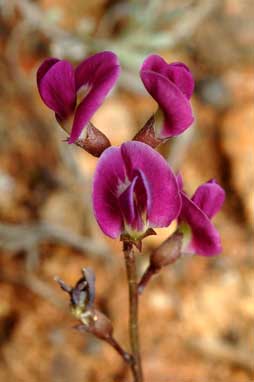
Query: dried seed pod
{"points": [[82, 294], [82, 300]]}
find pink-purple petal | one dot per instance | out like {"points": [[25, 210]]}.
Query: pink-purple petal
{"points": [[57, 87], [94, 68], [210, 197], [182, 78], [205, 238], [165, 198], [90, 104], [173, 103], [129, 206], [44, 68], [126, 203], [143, 192], [99, 73], [154, 63], [177, 72], [108, 173]]}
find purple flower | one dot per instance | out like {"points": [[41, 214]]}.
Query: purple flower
{"points": [[61, 87], [197, 212], [134, 189], [171, 85]]}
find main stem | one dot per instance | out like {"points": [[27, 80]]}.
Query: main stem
{"points": [[133, 311]]}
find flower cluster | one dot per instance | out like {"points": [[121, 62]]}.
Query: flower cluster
{"points": [[134, 188]]}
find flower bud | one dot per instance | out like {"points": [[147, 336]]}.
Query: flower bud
{"points": [[94, 141], [167, 253]]}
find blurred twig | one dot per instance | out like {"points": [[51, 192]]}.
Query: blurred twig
{"points": [[35, 17], [183, 28], [42, 289], [35, 285], [28, 237], [135, 41]]}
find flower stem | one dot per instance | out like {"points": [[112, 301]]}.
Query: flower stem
{"points": [[145, 279], [130, 263], [125, 356]]}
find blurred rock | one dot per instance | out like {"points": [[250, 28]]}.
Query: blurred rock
{"points": [[237, 139]]}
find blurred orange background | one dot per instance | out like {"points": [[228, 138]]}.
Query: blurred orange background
{"points": [[197, 316]]}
